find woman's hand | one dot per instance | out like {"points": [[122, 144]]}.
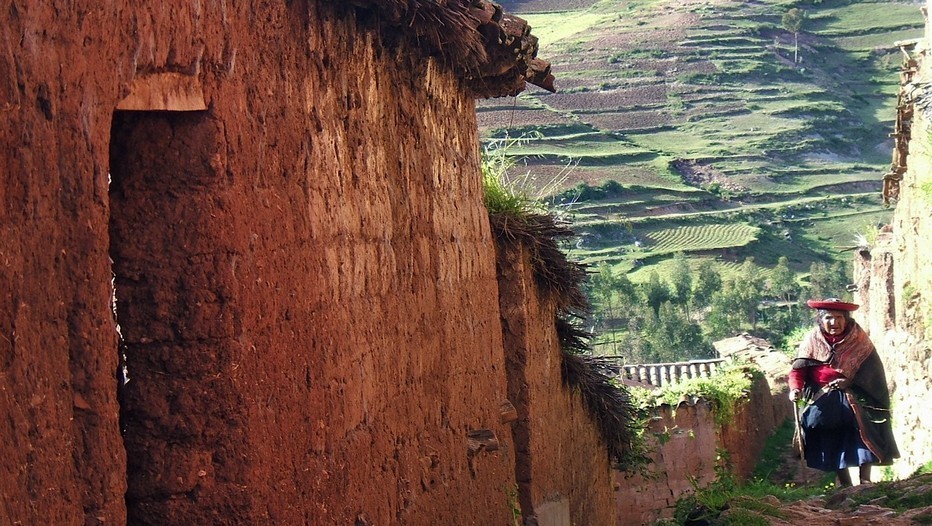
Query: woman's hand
{"points": [[794, 395], [839, 383]]}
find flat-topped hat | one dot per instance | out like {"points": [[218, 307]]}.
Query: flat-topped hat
{"points": [[832, 304]]}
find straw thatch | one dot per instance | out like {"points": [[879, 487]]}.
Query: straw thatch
{"points": [[559, 277], [494, 52], [608, 404]]}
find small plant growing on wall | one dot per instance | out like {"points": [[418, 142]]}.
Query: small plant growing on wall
{"points": [[518, 219], [509, 189], [724, 391]]}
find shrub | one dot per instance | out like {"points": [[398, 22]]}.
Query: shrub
{"points": [[724, 391]]}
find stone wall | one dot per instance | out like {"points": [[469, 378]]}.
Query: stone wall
{"points": [[895, 289]]}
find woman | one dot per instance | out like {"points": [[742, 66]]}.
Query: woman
{"points": [[838, 374]]}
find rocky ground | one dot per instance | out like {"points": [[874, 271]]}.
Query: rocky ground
{"points": [[906, 501], [902, 502]]}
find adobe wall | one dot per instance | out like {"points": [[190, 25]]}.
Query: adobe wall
{"points": [[745, 436], [563, 472], [304, 271], [686, 441], [895, 292]]}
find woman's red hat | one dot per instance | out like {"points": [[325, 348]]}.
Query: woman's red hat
{"points": [[832, 304]]}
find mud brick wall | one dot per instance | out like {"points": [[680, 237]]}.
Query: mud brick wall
{"points": [[686, 441], [305, 277], [63, 458], [563, 472], [745, 436]]}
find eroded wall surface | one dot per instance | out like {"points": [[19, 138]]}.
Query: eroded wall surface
{"points": [[563, 474], [894, 282], [305, 278]]}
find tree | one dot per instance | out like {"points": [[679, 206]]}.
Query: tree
{"points": [[793, 22], [682, 281], [828, 281], [674, 338], [656, 292], [603, 287], [707, 282], [626, 290], [748, 289], [723, 319], [784, 320], [782, 283], [636, 348]]}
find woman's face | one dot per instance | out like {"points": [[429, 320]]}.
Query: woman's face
{"points": [[833, 322]]}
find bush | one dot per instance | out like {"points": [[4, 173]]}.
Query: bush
{"points": [[724, 391]]}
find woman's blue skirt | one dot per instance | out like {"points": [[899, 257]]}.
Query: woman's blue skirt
{"points": [[831, 435]]}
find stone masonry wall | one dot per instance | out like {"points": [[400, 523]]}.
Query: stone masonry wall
{"points": [[895, 290], [304, 272]]}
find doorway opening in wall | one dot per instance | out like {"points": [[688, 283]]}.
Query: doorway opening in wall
{"points": [[160, 173]]}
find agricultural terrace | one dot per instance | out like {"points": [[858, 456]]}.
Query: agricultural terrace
{"points": [[724, 147]]}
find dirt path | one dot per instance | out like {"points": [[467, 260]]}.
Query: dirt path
{"points": [[868, 504]]}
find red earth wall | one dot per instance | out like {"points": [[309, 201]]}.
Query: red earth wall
{"points": [[686, 443], [304, 272], [563, 471]]}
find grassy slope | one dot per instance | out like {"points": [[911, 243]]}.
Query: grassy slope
{"points": [[796, 152]]}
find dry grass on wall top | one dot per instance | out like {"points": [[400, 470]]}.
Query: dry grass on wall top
{"points": [[618, 421], [447, 28], [494, 52], [610, 407], [559, 277], [561, 280]]}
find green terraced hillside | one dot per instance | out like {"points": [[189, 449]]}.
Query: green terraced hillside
{"points": [[725, 147]]}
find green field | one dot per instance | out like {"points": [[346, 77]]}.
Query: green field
{"points": [[725, 147]]}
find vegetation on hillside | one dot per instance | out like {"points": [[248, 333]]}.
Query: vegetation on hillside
{"points": [[726, 132], [675, 318]]}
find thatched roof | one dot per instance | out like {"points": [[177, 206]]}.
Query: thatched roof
{"points": [[494, 52]]}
